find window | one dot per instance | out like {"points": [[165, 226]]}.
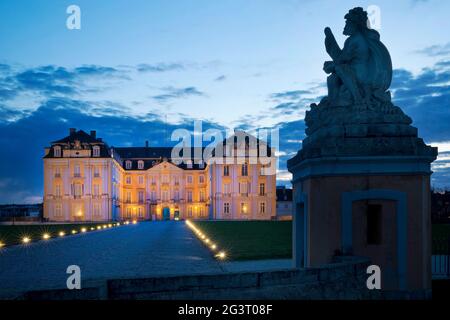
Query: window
{"points": [[58, 210], [262, 207], [176, 181], [189, 164], [77, 171], [140, 213], [243, 207], [244, 170], [57, 151], [128, 213], [141, 180], [165, 196], [201, 179], [226, 208], [190, 212], [189, 196], [96, 209], [140, 164], [177, 195], [243, 188], [57, 172], [202, 196], [202, 211], [96, 189], [128, 198], [96, 172], [128, 164], [262, 189], [189, 179], [154, 196], [128, 180], [96, 151], [374, 222], [165, 179], [77, 189], [58, 190], [227, 189], [226, 171], [141, 196]]}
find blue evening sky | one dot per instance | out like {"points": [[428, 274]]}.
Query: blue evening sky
{"points": [[232, 63]]}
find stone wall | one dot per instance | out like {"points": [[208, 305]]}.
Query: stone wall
{"points": [[341, 280]]}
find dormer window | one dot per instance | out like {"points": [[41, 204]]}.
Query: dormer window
{"points": [[57, 151], [128, 164], [189, 164], [96, 151], [140, 165]]}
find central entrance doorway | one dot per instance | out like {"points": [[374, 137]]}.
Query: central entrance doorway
{"points": [[166, 214]]}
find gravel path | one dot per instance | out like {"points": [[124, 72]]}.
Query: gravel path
{"points": [[133, 251]]}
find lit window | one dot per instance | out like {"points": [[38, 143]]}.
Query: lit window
{"points": [[58, 210], [57, 151], [243, 207], [140, 164], [96, 189], [202, 195], [128, 198], [128, 164], [96, 151]]}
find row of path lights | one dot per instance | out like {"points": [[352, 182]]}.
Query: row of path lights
{"points": [[47, 236], [219, 254]]}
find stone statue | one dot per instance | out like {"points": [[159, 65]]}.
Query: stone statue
{"points": [[358, 118], [362, 71]]}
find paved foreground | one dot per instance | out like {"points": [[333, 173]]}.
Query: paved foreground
{"points": [[145, 249], [133, 251]]}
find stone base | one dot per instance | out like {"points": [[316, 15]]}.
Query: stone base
{"points": [[333, 198]]}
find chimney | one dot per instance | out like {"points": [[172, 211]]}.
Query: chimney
{"points": [[72, 131], [94, 134], [146, 143]]}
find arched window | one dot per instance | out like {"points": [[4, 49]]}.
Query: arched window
{"points": [[140, 164], [128, 164], [96, 151], [57, 151]]}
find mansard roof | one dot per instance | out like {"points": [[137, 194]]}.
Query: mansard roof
{"points": [[81, 136]]}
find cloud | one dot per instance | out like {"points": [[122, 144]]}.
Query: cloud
{"points": [[290, 95], [50, 80], [220, 78], [160, 67], [177, 93], [23, 140], [436, 50]]}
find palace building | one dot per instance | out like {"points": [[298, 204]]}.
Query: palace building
{"points": [[87, 180]]}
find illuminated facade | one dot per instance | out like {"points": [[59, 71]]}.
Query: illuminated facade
{"points": [[86, 180]]}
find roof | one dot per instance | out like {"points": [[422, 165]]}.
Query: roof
{"points": [[79, 135], [284, 194]]}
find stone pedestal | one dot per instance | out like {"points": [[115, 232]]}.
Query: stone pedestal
{"points": [[362, 187]]}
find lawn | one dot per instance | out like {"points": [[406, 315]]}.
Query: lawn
{"points": [[250, 240], [14, 234]]}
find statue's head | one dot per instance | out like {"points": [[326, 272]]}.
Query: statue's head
{"points": [[356, 21]]}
